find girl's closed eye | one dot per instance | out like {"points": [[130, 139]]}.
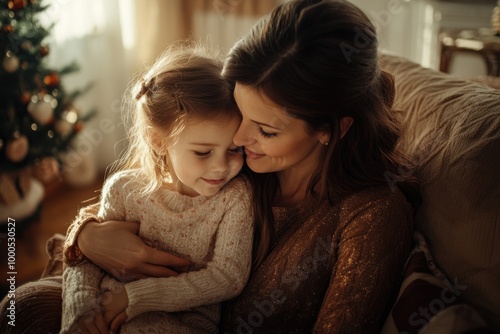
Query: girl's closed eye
{"points": [[202, 154], [267, 134], [236, 150]]}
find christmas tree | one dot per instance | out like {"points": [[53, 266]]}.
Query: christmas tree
{"points": [[37, 117]]}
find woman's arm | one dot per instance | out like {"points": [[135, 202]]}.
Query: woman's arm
{"points": [[116, 247], [374, 245], [125, 255]]}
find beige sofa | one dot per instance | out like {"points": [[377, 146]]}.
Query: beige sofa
{"points": [[452, 133]]}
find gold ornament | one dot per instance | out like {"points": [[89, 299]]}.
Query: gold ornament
{"points": [[42, 108], [17, 149], [10, 63]]}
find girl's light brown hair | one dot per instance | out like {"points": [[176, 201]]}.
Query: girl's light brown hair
{"points": [[184, 83], [319, 60]]}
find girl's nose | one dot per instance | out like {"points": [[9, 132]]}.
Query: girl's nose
{"points": [[220, 165]]}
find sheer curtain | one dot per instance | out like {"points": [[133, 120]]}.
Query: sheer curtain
{"points": [[218, 23], [114, 39]]}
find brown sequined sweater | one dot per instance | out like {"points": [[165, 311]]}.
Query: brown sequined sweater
{"points": [[332, 268]]}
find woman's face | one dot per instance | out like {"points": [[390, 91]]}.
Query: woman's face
{"points": [[273, 140]]}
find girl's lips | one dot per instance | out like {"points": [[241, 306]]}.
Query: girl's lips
{"points": [[214, 182], [253, 155]]}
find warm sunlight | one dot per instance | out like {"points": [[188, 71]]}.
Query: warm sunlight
{"points": [[74, 19]]}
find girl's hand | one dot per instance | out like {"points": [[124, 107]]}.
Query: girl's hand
{"points": [[115, 247], [91, 322], [114, 305]]}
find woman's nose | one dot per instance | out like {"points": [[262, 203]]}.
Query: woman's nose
{"points": [[241, 137]]}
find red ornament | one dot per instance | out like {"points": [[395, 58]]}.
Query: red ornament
{"points": [[16, 4], [8, 28], [25, 98], [51, 80], [78, 127]]}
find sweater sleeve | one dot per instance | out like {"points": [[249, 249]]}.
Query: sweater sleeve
{"points": [[80, 292], [374, 243], [223, 278], [81, 282], [111, 207], [72, 255]]}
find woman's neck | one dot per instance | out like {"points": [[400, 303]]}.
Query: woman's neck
{"points": [[293, 187]]}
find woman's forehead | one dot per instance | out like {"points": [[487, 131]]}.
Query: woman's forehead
{"points": [[254, 104]]}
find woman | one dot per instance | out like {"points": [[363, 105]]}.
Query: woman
{"points": [[320, 134]]}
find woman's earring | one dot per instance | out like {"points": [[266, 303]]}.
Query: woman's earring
{"points": [[325, 143]]}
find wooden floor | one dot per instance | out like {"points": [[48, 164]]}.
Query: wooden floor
{"points": [[58, 209]]}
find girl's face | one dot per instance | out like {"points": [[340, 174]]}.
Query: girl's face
{"points": [[203, 158], [273, 140]]}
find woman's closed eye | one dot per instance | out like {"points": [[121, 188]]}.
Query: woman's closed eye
{"points": [[267, 134]]}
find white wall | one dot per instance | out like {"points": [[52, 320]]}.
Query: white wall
{"points": [[411, 28]]}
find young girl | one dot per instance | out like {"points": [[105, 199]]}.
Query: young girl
{"points": [[176, 179]]}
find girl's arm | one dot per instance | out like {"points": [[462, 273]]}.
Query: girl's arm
{"points": [[374, 245], [82, 282], [72, 253], [224, 277]]}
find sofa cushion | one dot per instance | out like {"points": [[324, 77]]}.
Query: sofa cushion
{"points": [[452, 134], [428, 302]]}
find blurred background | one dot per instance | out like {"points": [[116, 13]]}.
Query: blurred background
{"points": [[112, 40]]}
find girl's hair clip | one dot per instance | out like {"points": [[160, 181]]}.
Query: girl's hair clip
{"points": [[144, 90]]}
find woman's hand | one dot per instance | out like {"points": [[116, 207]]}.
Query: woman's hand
{"points": [[114, 305], [115, 247]]}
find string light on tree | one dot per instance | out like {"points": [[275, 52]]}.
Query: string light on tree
{"points": [[66, 124], [17, 4]]}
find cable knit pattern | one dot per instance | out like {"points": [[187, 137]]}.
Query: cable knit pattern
{"points": [[72, 255], [80, 292], [215, 233]]}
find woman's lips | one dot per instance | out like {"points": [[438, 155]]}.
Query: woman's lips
{"points": [[253, 155]]}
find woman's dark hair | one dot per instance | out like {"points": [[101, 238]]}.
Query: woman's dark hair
{"points": [[319, 60]]}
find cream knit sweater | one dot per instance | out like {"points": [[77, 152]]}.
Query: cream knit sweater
{"points": [[215, 233]]}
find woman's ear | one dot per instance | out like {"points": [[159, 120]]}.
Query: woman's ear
{"points": [[345, 125], [324, 137]]}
